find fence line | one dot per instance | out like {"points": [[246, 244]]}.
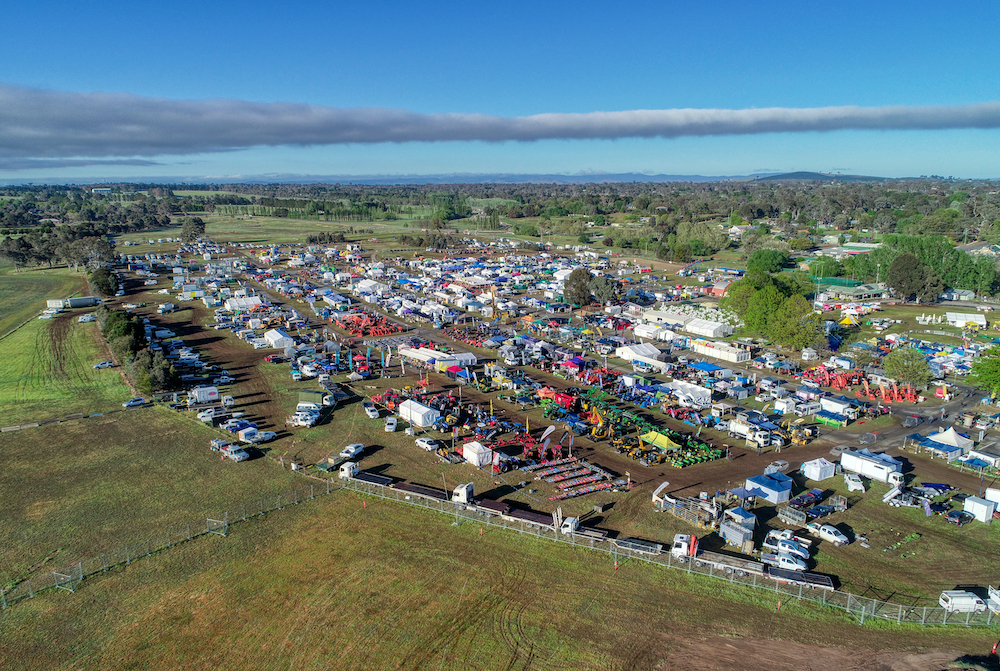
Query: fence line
{"points": [[69, 578], [862, 608]]}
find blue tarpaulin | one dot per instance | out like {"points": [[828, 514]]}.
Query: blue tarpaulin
{"points": [[704, 367]]}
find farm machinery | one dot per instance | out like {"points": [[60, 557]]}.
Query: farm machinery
{"points": [[838, 379], [361, 324], [889, 393]]}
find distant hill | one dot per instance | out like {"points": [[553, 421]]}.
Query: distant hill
{"points": [[804, 176]]}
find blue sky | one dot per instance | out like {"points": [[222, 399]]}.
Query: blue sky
{"points": [[508, 60]]}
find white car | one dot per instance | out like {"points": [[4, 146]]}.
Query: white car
{"points": [[763, 398], [224, 379], [104, 364], [352, 451], [428, 444], [264, 436], [390, 424], [371, 411], [134, 402]]}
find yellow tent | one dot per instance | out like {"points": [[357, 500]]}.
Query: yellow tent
{"points": [[848, 320], [659, 440]]}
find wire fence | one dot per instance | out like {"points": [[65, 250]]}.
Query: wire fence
{"points": [[69, 578], [861, 608]]}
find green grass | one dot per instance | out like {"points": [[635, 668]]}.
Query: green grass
{"points": [[46, 371], [335, 584], [23, 294], [85, 487]]}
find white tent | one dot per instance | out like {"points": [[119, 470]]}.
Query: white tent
{"points": [[477, 454], [951, 437], [692, 392], [278, 339], [640, 351], [709, 329], [418, 414], [818, 469]]}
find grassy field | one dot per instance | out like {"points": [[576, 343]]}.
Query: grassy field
{"points": [[81, 488], [23, 294], [335, 584], [46, 371]]}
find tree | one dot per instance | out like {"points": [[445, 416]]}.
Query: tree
{"points": [[103, 282], [826, 267], [795, 324], [986, 371], [192, 228], [604, 289], [738, 297], [767, 260], [907, 365], [583, 239], [761, 309], [576, 291], [608, 241], [906, 276]]}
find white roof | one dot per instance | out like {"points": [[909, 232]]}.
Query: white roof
{"points": [[951, 437]]}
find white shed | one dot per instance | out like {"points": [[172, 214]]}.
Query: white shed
{"points": [[981, 509], [477, 454], [819, 469], [278, 339], [417, 414]]}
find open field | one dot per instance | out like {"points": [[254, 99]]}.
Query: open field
{"points": [[23, 294], [85, 487], [46, 371], [335, 584]]}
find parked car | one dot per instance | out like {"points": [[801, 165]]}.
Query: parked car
{"points": [[959, 517], [351, 451], [390, 424], [819, 511], [806, 499], [134, 402], [763, 398], [104, 364], [428, 444], [911, 421], [224, 379], [371, 410]]}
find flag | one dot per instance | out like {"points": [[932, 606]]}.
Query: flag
{"points": [[571, 437]]}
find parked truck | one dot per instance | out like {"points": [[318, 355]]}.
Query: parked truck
{"points": [[685, 548], [753, 434], [873, 466], [200, 395]]}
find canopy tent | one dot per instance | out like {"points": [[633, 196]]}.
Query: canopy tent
{"points": [[659, 440], [951, 437], [818, 469]]}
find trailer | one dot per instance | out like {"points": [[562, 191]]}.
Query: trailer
{"points": [[685, 548], [491, 507], [638, 545], [804, 578], [529, 517], [349, 471], [421, 491], [880, 467]]}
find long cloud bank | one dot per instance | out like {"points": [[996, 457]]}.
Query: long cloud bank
{"points": [[54, 125]]}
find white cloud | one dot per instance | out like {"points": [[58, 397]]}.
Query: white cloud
{"points": [[39, 128]]}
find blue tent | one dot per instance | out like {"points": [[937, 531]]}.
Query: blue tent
{"points": [[704, 367]]}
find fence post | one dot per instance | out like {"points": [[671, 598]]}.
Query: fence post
{"points": [[279, 501], [296, 497], [128, 559], [328, 486], [104, 562], [149, 548], [3, 600], [899, 616], [168, 540], [189, 532], [31, 592], [312, 491], [244, 512]]}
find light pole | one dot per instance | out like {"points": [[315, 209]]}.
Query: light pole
{"points": [[878, 272]]}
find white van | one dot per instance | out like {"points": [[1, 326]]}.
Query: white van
{"points": [[958, 601]]}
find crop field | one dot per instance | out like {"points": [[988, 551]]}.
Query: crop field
{"points": [[46, 371], [85, 487], [338, 583], [23, 294]]}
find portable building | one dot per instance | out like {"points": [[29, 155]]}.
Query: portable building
{"points": [[648, 331], [981, 509], [784, 405], [720, 350], [879, 467], [417, 414]]}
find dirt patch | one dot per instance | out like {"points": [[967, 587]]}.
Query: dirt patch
{"points": [[39, 509], [722, 654]]}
